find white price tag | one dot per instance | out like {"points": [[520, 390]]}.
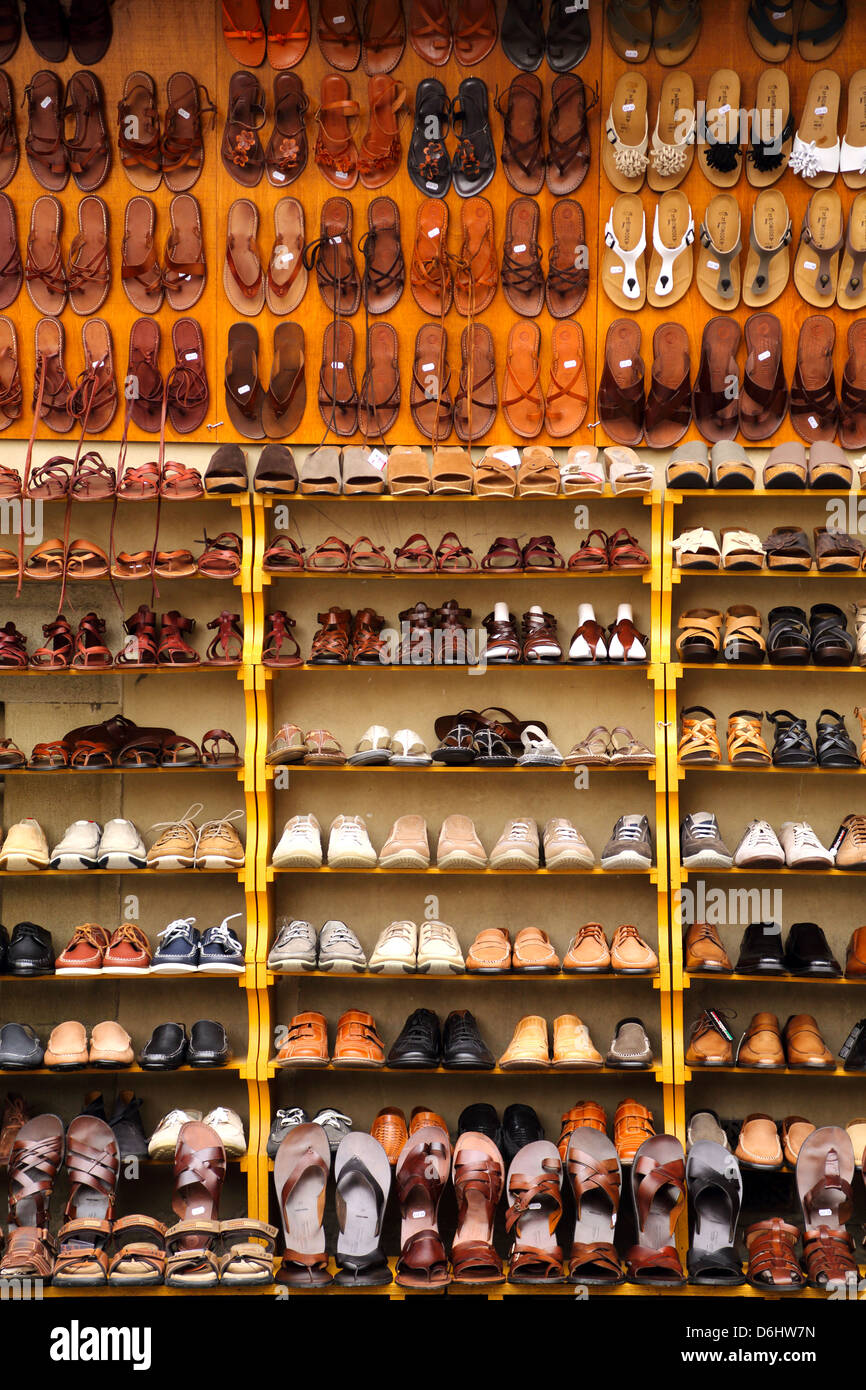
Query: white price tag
{"points": [[340, 174], [434, 231], [629, 106], [810, 265], [46, 101], [821, 110], [626, 362], [190, 357], [812, 422], [377, 459], [337, 366], [431, 186], [277, 175], [520, 246], [336, 240], [339, 19], [713, 265], [243, 390], [182, 111], [723, 110], [428, 366], [569, 364], [631, 53], [762, 356], [616, 270]]}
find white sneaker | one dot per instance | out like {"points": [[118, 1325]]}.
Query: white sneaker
{"points": [[759, 848], [300, 845], [396, 950], [372, 747], [803, 849], [79, 848], [121, 846], [349, 844], [163, 1141], [517, 846], [230, 1128], [439, 950], [565, 847]]}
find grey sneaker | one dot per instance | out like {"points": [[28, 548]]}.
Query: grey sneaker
{"points": [[283, 1121], [630, 1046], [335, 1124], [630, 846], [340, 950], [701, 845], [295, 945]]}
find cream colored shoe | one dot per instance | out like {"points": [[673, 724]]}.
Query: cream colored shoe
{"points": [[372, 748], [439, 950], [396, 950], [529, 1048], [230, 1128], [24, 848], [407, 846], [517, 846], [459, 845], [163, 1141], [573, 1048], [300, 845], [349, 844], [565, 847]]}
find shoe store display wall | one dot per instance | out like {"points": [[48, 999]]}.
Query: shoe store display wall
{"points": [[425, 710]]}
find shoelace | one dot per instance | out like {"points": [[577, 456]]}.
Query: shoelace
{"points": [[285, 1119], [521, 830], [221, 829], [437, 931], [342, 933], [857, 830], [303, 825], [704, 829], [174, 1117], [180, 927], [396, 931], [224, 936], [629, 831], [804, 836], [85, 935], [331, 1119], [184, 825], [564, 830], [294, 930], [222, 1116], [353, 831], [762, 834]]}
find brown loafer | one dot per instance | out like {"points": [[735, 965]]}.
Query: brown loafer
{"points": [[110, 1046], [533, 953], [855, 958], [758, 1145], [804, 1045], [490, 952], [761, 1044], [794, 1130], [67, 1047]]}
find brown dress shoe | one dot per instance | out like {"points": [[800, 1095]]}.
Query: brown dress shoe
{"points": [[588, 952], [761, 1044], [794, 1130], [705, 952], [358, 1044], [389, 1127], [758, 1144], [533, 953], [587, 1114], [632, 1124], [529, 1046], [572, 1046], [421, 1117], [306, 1043], [630, 954], [490, 952], [804, 1045], [708, 1047], [855, 960]]}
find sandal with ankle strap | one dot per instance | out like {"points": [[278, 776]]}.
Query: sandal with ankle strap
{"points": [[227, 646], [139, 1258], [365, 556], [173, 649], [91, 653], [13, 646], [280, 645], [221, 558], [453, 555], [330, 554], [415, 554], [699, 635], [56, 654], [141, 647], [283, 555], [742, 641], [699, 740]]}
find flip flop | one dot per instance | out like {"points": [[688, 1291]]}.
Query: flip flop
{"points": [[363, 1177], [718, 270], [768, 262], [719, 153], [672, 259], [301, 1170]]}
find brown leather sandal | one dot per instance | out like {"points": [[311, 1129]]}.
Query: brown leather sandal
{"points": [[338, 34], [199, 1175], [476, 274], [44, 144], [535, 1206], [596, 1180], [429, 272], [140, 271], [567, 394], [658, 1183], [421, 1174], [475, 31], [522, 397], [429, 395], [287, 150], [139, 1258], [242, 154], [221, 557], [184, 269], [37, 1153], [138, 139], [772, 1261], [479, 1178], [56, 654], [88, 273], [91, 653], [9, 155], [336, 153], [11, 393], [280, 647], [283, 555], [286, 397], [93, 1163], [141, 647], [94, 400], [301, 1170], [621, 399], [52, 389], [187, 394], [338, 395], [182, 145], [379, 155], [227, 646], [88, 149], [173, 649], [44, 272]]}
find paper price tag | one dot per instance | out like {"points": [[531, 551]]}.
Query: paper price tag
{"points": [[336, 240], [340, 174], [434, 231], [762, 356], [428, 366], [377, 459], [569, 364], [190, 357], [337, 366], [431, 186], [626, 362], [723, 110], [243, 390], [631, 53], [821, 110], [629, 106], [812, 422], [713, 265], [277, 175], [616, 270], [181, 111], [339, 19], [518, 247], [46, 101]]}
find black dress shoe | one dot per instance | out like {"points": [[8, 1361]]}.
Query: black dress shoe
{"points": [[166, 1048], [208, 1044], [419, 1043], [761, 950], [94, 1104], [807, 951], [4, 950], [853, 1049], [481, 1118], [126, 1123], [462, 1043], [47, 29], [20, 1048], [520, 1126], [31, 950]]}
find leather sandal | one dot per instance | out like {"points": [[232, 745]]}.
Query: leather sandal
{"points": [[139, 1252], [335, 152], [535, 1205], [379, 155], [243, 31], [338, 395], [173, 649], [763, 400], [813, 406], [473, 163], [429, 273], [567, 282], [568, 150], [429, 395], [241, 151], [523, 160], [621, 400], [243, 389], [187, 393], [90, 652], [11, 394], [538, 474], [768, 263], [44, 271], [243, 276], [37, 1153], [623, 272], [772, 1262], [717, 275], [659, 1195], [852, 393], [199, 1174], [283, 555], [338, 34], [383, 35], [280, 647], [476, 272], [184, 269], [719, 151], [44, 145], [624, 147], [476, 400], [475, 32], [714, 406], [288, 148], [379, 396], [289, 34], [428, 161], [822, 236], [479, 1177], [9, 155], [138, 135], [182, 144], [11, 268], [595, 1174], [672, 260], [141, 648], [87, 149], [421, 1174], [522, 397], [767, 160], [522, 275], [93, 1162], [668, 411], [87, 272], [384, 269], [140, 271], [286, 398]]}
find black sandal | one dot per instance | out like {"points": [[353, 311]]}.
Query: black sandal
{"points": [[832, 643], [715, 1188], [834, 744], [793, 745], [788, 638], [491, 750]]}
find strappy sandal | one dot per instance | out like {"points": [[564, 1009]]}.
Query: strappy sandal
{"points": [[331, 642], [320, 747], [167, 564], [596, 1181], [86, 560], [699, 740], [139, 1252], [659, 1195], [280, 645], [248, 1248], [457, 748], [93, 1163], [478, 1174], [832, 644], [535, 1207], [91, 653], [138, 138], [414, 555], [453, 556], [773, 1264], [46, 561], [13, 647], [221, 558], [199, 1174], [301, 1170], [50, 757], [213, 752], [788, 637], [366, 557], [745, 742], [30, 1253], [56, 654], [625, 749], [227, 646], [590, 751], [329, 554], [491, 750], [624, 553], [833, 744], [92, 480], [590, 558], [421, 1174], [505, 554], [700, 635], [283, 556], [540, 553], [173, 649], [742, 641], [141, 647]]}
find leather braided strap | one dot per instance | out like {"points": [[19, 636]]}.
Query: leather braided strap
{"points": [[598, 1259], [645, 1265], [828, 1255], [772, 1261], [30, 1252], [43, 1155]]}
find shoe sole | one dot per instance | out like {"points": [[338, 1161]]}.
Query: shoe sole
{"points": [[626, 859], [405, 859], [166, 968], [171, 862], [212, 862], [569, 859], [459, 859], [69, 863], [79, 972], [707, 859], [119, 971], [514, 859], [440, 967], [120, 859], [341, 967], [282, 967], [299, 859], [214, 967], [393, 967], [762, 862], [351, 861]]}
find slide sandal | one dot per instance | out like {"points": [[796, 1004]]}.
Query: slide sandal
{"points": [[363, 1176], [422, 1173], [596, 1181], [534, 1209], [301, 1170], [658, 1192], [715, 1188]]}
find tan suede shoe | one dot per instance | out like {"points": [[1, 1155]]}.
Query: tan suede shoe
{"points": [[175, 848], [758, 1144], [761, 1044], [459, 845], [219, 846], [630, 954], [804, 1045], [407, 846], [794, 1130], [573, 1048], [67, 1046], [529, 1046], [110, 1046], [533, 952], [490, 952], [588, 952], [25, 847], [705, 952]]}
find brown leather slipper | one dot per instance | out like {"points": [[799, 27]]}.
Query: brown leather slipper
{"points": [[286, 399], [88, 273], [764, 393], [184, 273], [714, 397], [286, 280], [668, 411], [243, 278], [140, 272], [621, 400], [814, 409], [243, 388]]}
